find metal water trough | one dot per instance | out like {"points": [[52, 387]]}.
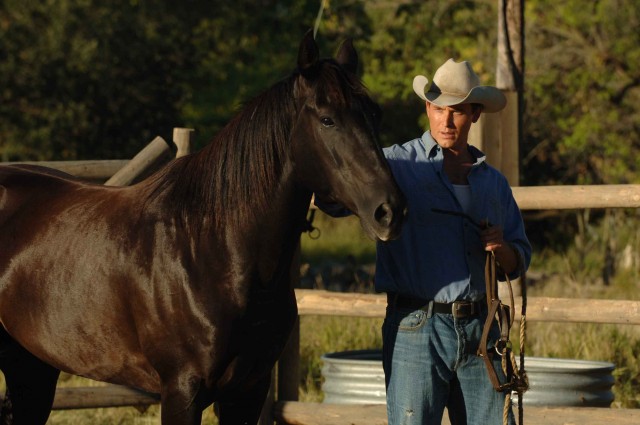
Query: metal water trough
{"points": [[356, 377]]}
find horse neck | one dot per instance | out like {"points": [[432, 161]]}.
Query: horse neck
{"points": [[244, 172], [260, 236]]}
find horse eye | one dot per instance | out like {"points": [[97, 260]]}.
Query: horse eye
{"points": [[327, 122]]}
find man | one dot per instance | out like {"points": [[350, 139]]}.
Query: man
{"points": [[459, 208]]}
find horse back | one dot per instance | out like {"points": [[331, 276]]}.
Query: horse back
{"points": [[91, 277]]}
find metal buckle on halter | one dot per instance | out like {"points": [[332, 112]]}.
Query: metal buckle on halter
{"points": [[501, 346]]}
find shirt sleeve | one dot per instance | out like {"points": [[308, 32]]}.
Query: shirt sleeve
{"points": [[514, 233]]}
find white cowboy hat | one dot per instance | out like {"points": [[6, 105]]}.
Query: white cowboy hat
{"points": [[455, 83]]}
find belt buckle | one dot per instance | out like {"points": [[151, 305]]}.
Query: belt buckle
{"points": [[456, 306]]}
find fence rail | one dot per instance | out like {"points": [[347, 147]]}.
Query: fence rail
{"points": [[539, 309], [95, 170]]}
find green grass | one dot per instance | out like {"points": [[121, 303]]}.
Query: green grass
{"points": [[324, 334], [336, 239]]}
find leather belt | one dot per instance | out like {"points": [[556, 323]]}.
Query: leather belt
{"points": [[458, 309]]}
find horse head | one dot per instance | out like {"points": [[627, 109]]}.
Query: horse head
{"points": [[335, 141]]}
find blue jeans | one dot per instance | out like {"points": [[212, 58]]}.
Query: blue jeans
{"points": [[430, 363]]}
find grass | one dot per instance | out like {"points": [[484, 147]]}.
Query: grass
{"points": [[335, 240], [323, 334]]}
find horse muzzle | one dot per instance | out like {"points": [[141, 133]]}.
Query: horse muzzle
{"points": [[387, 220]]}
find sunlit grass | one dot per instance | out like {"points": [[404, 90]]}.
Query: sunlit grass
{"points": [[335, 239], [323, 334]]}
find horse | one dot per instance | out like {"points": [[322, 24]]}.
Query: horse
{"points": [[181, 285]]}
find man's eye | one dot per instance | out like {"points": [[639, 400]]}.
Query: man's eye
{"points": [[327, 122]]}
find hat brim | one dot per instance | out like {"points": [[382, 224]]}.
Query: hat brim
{"points": [[491, 98], [419, 84]]}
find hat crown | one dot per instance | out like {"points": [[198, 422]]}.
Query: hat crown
{"points": [[455, 83], [454, 78]]}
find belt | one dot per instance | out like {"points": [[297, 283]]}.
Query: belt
{"points": [[458, 309]]}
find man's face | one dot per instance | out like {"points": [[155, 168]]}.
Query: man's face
{"points": [[450, 124]]}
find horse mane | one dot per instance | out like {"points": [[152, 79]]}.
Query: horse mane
{"points": [[233, 178]]}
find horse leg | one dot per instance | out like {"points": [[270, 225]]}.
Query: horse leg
{"points": [[31, 385], [245, 408], [182, 401]]}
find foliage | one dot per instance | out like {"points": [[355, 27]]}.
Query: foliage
{"points": [[82, 78], [413, 38], [88, 79], [582, 92]]}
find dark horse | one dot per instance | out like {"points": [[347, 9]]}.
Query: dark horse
{"points": [[181, 285]]}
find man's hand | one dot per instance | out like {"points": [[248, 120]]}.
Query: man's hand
{"points": [[493, 240]]}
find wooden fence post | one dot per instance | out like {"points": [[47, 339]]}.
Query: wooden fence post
{"points": [[183, 139], [140, 163]]}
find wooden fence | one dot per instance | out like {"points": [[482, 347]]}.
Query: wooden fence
{"points": [[282, 405]]}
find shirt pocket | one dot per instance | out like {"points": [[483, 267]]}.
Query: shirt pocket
{"points": [[489, 209], [424, 199]]}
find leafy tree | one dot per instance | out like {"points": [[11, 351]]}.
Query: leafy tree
{"points": [[84, 78], [239, 54], [89, 79], [582, 92], [416, 37]]}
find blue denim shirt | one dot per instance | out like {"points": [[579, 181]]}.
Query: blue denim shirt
{"points": [[440, 256]]}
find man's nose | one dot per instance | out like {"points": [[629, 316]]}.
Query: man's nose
{"points": [[449, 118]]}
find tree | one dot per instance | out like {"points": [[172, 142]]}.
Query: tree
{"points": [[83, 78], [240, 54], [582, 92], [416, 37]]}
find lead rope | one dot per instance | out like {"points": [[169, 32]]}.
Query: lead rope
{"points": [[516, 378]]}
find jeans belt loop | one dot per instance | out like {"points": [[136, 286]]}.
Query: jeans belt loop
{"points": [[430, 309]]}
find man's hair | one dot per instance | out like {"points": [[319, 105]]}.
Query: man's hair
{"points": [[477, 106]]}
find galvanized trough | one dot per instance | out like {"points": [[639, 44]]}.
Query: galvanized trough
{"points": [[356, 377]]}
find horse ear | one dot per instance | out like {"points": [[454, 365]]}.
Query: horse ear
{"points": [[347, 56], [308, 53]]}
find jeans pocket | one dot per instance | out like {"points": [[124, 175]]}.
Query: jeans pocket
{"points": [[412, 321]]}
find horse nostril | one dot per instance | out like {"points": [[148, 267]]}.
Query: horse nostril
{"points": [[383, 215]]}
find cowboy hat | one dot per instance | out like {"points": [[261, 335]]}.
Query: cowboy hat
{"points": [[455, 83]]}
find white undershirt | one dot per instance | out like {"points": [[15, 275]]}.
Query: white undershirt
{"points": [[463, 193]]}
